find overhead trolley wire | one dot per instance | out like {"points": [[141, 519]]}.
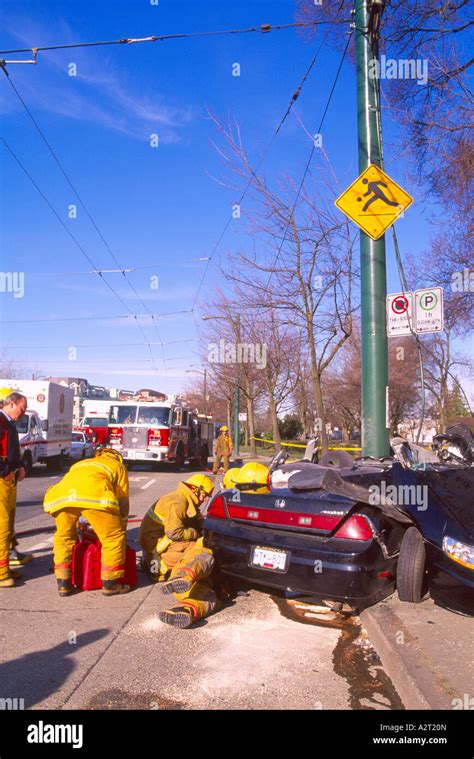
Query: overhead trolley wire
{"points": [[308, 163], [91, 219], [294, 97], [262, 29], [91, 318]]}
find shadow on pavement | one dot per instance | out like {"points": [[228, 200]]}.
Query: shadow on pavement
{"points": [[36, 676]]}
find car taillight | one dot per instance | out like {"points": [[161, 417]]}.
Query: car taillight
{"points": [[286, 518], [116, 435], [217, 508], [355, 528], [154, 437]]}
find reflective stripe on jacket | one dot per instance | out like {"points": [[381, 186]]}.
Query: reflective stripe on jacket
{"points": [[100, 483]]}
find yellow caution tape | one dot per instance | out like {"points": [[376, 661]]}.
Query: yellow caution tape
{"points": [[298, 445]]}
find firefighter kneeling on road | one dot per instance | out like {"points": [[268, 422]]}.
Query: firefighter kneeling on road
{"points": [[96, 489], [174, 553]]}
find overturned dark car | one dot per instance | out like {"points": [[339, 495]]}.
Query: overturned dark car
{"points": [[350, 533]]}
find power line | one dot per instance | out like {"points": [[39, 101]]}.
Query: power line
{"points": [[88, 258], [81, 201], [91, 345], [294, 97], [91, 318], [308, 163], [111, 271], [262, 29]]}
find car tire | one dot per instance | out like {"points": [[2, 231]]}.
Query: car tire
{"points": [[411, 567]]}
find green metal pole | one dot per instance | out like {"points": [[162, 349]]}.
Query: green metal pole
{"points": [[237, 397], [375, 433]]}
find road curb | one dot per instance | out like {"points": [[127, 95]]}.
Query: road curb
{"points": [[405, 660]]}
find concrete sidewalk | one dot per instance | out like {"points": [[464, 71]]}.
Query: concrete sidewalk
{"points": [[427, 651]]}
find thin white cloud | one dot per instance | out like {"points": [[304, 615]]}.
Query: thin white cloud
{"points": [[98, 94]]}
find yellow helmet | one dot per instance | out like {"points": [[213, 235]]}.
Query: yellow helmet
{"points": [[230, 477], [252, 477], [109, 452], [201, 482], [224, 428], [5, 392]]}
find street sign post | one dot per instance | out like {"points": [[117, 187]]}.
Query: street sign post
{"points": [[374, 201], [429, 312], [400, 314]]}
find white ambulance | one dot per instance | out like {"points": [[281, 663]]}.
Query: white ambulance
{"points": [[45, 431]]}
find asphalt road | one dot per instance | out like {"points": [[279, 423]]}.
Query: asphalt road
{"points": [[88, 651]]}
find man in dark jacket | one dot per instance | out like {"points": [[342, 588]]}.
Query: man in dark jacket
{"points": [[11, 471]]}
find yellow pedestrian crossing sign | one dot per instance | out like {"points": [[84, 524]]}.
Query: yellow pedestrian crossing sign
{"points": [[374, 201]]}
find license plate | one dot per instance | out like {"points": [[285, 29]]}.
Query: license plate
{"points": [[269, 558]]}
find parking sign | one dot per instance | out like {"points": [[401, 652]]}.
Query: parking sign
{"points": [[429, 313]]}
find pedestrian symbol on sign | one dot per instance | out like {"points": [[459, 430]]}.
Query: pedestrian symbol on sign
{"points": [[378, 194], [374, 201]]}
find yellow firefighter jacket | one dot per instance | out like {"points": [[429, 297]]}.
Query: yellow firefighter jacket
{"points": [[100, 483], [174, 517], [223, 446]]}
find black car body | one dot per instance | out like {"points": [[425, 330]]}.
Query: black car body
{"points": [[335, 540]]}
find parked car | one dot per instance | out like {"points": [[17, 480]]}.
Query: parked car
{"points": [[82, 446], [344, 534]]}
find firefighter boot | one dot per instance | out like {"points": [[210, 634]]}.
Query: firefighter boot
{"points": [[65, 588], [114, 588], [8, 583], [178, 616], [181, 583]]}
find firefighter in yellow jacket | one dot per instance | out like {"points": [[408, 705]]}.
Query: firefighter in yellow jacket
{"points": [[96, 489], [222, 450], [172, 548]]}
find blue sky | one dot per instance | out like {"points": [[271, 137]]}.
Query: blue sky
{"points": [[159, 209]]}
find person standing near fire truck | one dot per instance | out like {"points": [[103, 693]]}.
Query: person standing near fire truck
{"points": [[222, 450]]}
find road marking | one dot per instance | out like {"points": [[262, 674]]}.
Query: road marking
{"points": [[150, 482]]}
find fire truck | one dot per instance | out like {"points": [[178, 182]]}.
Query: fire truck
{"points": [[159, 431]]}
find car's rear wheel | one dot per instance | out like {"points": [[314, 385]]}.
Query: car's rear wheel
{"points": [[411, 568]]}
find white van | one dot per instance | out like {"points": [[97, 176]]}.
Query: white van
{"points": [[45, 431]]}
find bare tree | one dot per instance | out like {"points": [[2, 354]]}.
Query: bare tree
{"points": [[304, 272]]}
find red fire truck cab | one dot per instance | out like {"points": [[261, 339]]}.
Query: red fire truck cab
{"points": [[162, 431]]}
